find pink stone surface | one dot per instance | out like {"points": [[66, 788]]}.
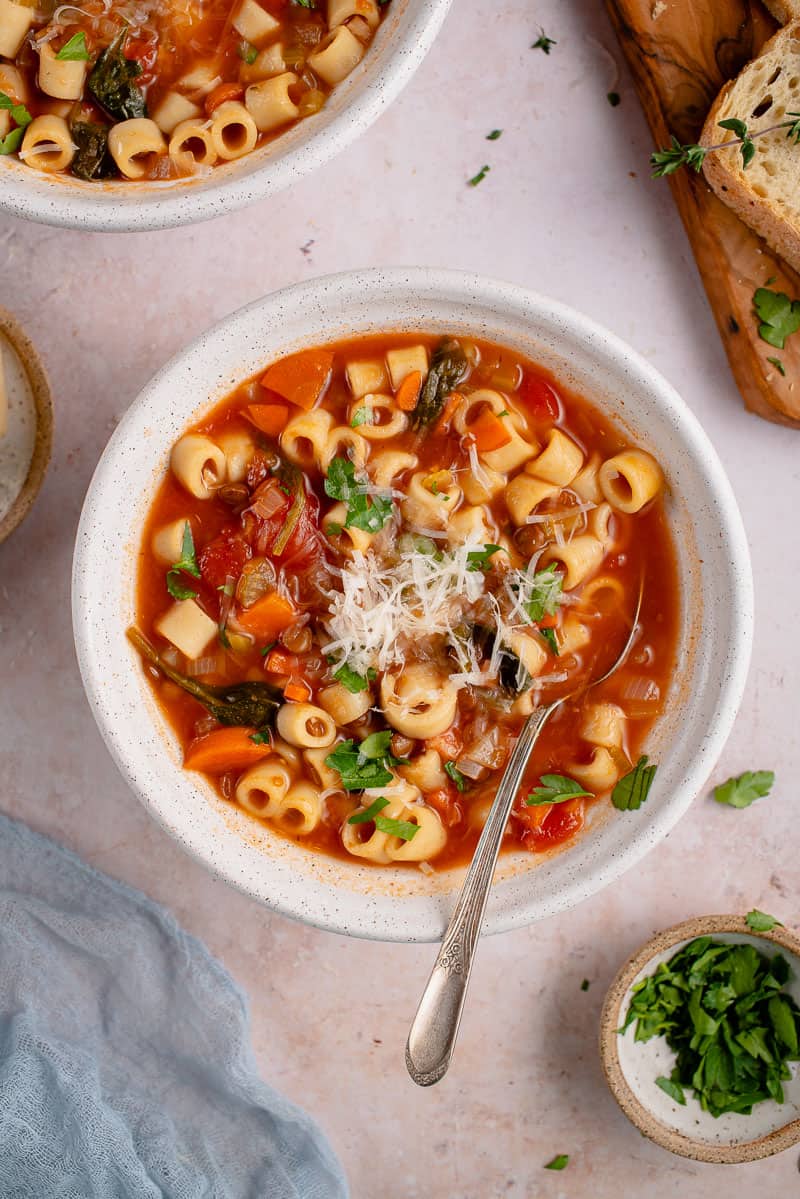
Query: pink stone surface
{"points": [[568, 208]]}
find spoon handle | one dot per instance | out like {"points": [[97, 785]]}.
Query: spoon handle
{"points": [[432, 1038]]}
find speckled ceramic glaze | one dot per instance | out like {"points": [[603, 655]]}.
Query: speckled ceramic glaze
{"points": [[25, 447], [713, 563], [399, 46], [631, 1066]]}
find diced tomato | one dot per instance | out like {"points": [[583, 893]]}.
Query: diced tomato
{"points": [[446, 804], [448, 744], [560, 822], [301, 378], [540, 398], [221, 94], [224, 556]]}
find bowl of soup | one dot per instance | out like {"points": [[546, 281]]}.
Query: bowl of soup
{"points": [[145, 115], [342, 546]]}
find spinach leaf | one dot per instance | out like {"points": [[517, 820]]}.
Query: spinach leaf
{"points": [[447, 369], [92, 159], [111, 82]]}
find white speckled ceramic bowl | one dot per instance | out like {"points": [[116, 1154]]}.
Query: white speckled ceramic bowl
{"points": [[631, 1066], [713, 564], [400, 44]]}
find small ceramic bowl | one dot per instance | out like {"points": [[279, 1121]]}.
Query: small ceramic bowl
{"points": [[712, 564], [25, 447], [631, 1067], [400, 44]]}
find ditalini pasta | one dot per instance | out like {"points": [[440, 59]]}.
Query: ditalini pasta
{"points": [[367, 566], [167, 89]]}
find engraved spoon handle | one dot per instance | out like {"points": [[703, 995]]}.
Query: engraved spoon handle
{"points": [[433, 1033]]}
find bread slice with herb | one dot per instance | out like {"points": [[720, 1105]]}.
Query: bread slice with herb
{"points": [[784, 10], [766, 193]]}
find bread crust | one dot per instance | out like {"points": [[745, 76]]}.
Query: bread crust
{"points": [[784, 10], [723, 170]]}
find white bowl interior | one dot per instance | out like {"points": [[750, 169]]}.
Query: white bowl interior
{"points": [[399, 46], [713, 566], [642, 1062]]}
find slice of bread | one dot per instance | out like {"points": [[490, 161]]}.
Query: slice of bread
{"points": [[784, 10], [767, 194]]}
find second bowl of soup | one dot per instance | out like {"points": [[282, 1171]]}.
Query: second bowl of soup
{"points": [[378, 520]]}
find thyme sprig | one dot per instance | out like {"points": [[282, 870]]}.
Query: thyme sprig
{"points": [[670, 159]]}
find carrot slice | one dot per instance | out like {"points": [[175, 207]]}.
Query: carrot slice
{"points": [[489, 432], [302, 378], [454, 400], [268, 617], [225, 749], [279, 661], [297, 690], [222, 92], [408, 391], [269, 418]]}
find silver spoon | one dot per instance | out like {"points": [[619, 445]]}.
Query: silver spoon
{"points": [[432, 1038]]}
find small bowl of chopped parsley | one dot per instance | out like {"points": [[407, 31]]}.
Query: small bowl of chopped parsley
{"points": [[700, 1038]]}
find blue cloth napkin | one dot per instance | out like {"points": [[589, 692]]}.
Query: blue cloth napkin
{"points": [[126, 1070]]}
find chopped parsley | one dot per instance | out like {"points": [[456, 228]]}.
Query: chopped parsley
{"points": [[744, 789], [75, 49], [187, 563], [481, 175], [555, 788], [761, 922], [406, 830], [776, 362], [633, 788], [722, 1010], [543, 42], [494, 135], [365, 765], [541, 594], [362, 416], [455, 774], [350, 679], [21, 118], [585, 985], [369, 813], [479, 559], [613, 99], [247, 53], [367, 512], [262, 737], [559, 1162], [549, 635], [778, 316]]}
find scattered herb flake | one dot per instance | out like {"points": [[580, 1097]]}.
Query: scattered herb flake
{"points": [[479, 559], [367, 512], [549, 635], [744, 789], [633, 788], [559, 1162], [349, 679], [613, 99], [262, 737], [778, 315], [545, 43], [369, 813], [585, 985], [455, 774], [75, 49], [555, 788], [247, 53], [761, 922], [494, 135], [776, 362], [362, 416], [481, 175], [406, 830]]}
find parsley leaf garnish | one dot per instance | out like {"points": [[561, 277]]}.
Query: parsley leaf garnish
{"points": [[364, 766], [559, 1162], [779, 316], [555, 788], [481, 175], [75, 49], [262, 737], [21, 117], [544, 592], [455, 774], [350, 679], [673, 1089], [186, 563], [549, 635], [776, 362], [545, 43], [761, 922], [362, 416], [367, 512], [744, 789], [369, 813], [479, 559], [406, 830], [494, 135], [633, 788], [247, 52]]}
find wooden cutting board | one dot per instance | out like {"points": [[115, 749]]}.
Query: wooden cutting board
{"points": [[681, 52]]}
